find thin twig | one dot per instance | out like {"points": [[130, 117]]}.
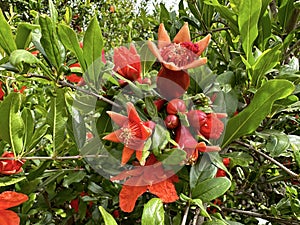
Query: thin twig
{"points": [[186, 212], [53, 157], [100, 97], [259, 215], [291, 173]]}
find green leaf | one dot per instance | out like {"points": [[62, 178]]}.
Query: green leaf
{"points": [[73, 177], [79, 128], [266, 61], [211, 189], [7, 181], [108, 219], [248, 17], [264, 30], [153, 213], [11, 123], [147, 58], [151, 108], [202, 170], [49, 41], [160, 137], [277, 142], [250, 118], [69, 40], [23, 36], [29, 126], [38, 134], [215, 222], [57, 118], [53, 11], [285, 12], [239, 159], [21, 59], [295, 144], [7, 41], [172, 156], [92, 49], [226, 13]]}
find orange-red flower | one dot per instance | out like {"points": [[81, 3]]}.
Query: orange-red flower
{"points": [[187, 142], [127, 62], [133, 133], [176, 57], [10, 166], [181, 54], [152, 177], [10, 199]]}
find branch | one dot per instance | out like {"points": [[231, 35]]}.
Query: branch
{"points": [[259, 215], [186, 212], [100, 97], [53, 157], [291, 173]]}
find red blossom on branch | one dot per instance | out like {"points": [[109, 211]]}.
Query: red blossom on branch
{"points": [[133, 133], [152, 177], [10, 199], [10, 166]]}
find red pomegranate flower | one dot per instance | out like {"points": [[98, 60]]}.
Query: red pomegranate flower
{"points": [[10, 166], [133, 133], [152, 177], [176, 57], [187, 142], [127, 62], [10, 199], [181, 54]]}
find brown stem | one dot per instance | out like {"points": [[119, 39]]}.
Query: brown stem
{"points": [[185, 215], [291, 173], [53, 158], [259, 215]]}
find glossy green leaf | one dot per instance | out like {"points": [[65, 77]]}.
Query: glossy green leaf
{"points": [[53, 11], [23, 36], [38, 134], [147, 58], [153, 213], [69, 40], [7, 41], [211, 189], [225, 12], [108, 219], [79, 128], [266, 61], [248, 17], [172, 156], [7, 181], [92, 49], [202, 170], [11, 123], [29, 126], [57, 118], [21, 59], [295, 145], [151, 108], [285, 12], [49, 41], [264, 31], [276, 142], [73, 177], [250, 118]]}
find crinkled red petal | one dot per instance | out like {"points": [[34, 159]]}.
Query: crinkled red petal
{"points": [[165, 190], [8, 217], [129, 195], [10, 199]]}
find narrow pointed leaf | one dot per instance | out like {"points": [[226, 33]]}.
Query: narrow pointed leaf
{"points": [[153, 213], [92, 49], [29, 126], [248, 17], [69, 39], [23, 34], [11, 123], [250, 118], [7, 42], [21, 59], [266, 61], [49, 41], [108, 219]]}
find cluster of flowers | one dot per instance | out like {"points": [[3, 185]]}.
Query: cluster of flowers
{"points": [[149, 174], [10, 199]]}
